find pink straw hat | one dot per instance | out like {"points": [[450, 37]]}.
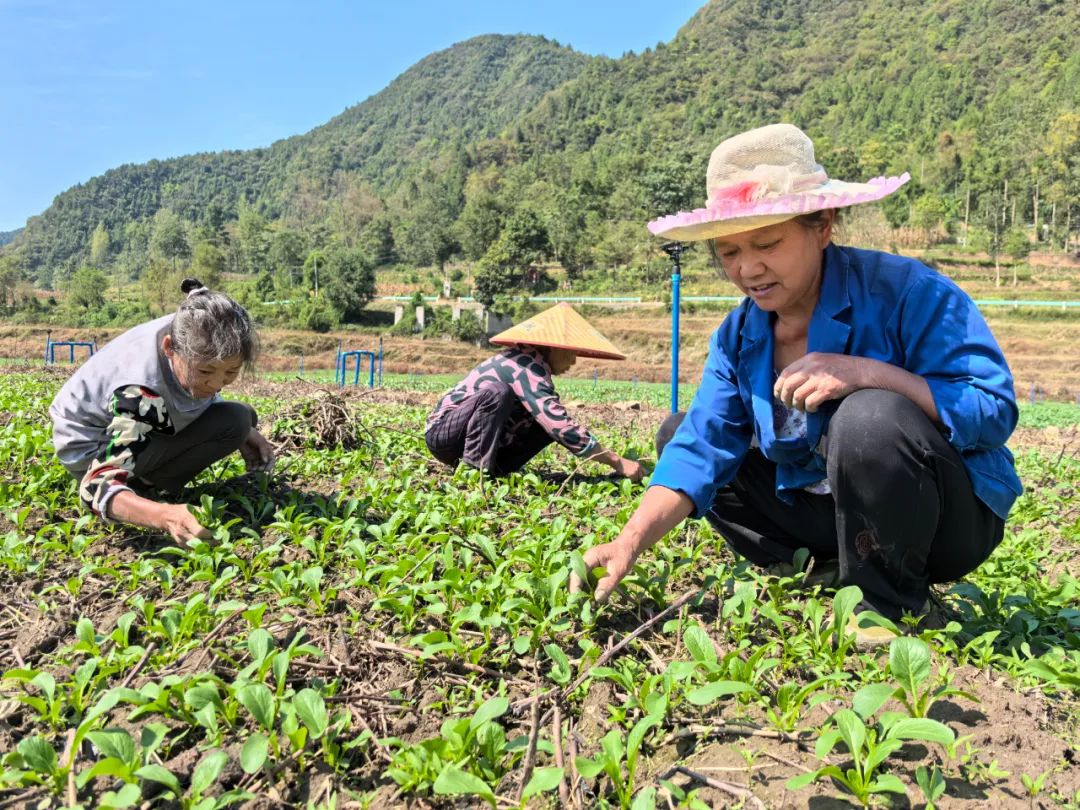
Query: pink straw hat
{"points": [[762, 177]]}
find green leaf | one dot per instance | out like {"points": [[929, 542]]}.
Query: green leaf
{"points": [[84, 631], [844, 603], [455, 782], [710, 692], [588, 768], [109, 766], [38, 754], [207, 771], [161, 775], [125, 797], [801, 781], [699, 644], [495, 707], [645, 800], [543, 780], [311, 708], [888, 782], [560, 672], [114, 742], [851, 729], [259, 700], [922, 728], [253, 754], [637, 735], [260, 643], [909, 662], [201, 695], [869, 699]]}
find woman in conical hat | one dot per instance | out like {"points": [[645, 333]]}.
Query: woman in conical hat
{"points": [[506, 410], [854, 404]]}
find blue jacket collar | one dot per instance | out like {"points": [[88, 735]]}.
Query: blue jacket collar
{"points": [[829, 332]]}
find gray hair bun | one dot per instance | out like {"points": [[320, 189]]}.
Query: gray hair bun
{"points": [[192, 286]]}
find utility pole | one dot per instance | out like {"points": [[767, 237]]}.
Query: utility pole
{"points": [[1036, 203], [967, 211]]}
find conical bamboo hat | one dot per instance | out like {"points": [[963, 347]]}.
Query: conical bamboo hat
{"points": [[561, 328]]}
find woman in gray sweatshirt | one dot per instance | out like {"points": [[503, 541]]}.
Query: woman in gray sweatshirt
{"points": [[144, 415]]}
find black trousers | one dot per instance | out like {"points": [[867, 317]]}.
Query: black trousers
{"points": [[902, 513], [473, 432], [170, 462]]}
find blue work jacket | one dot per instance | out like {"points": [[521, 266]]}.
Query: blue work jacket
{"points": [[871, 304]]}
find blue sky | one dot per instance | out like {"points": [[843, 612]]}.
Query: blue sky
{"points": [[86, 86]]}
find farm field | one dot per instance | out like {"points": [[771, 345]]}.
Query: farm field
{"points": [[1040, 346], [370, 629]]}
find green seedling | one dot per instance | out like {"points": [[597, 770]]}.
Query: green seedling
{"points": [[910, 666], [476, 747], [618, 759], [931, 783], [868, 748], [1034, 784]]}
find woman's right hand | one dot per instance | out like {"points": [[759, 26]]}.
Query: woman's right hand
{"points": [[617, 557], [178, 521], [658, 513], [628, 468]]}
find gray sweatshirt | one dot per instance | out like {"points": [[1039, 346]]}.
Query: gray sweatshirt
{"points": [[83, 409]]}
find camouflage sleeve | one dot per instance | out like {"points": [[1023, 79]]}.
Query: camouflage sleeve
{"points": [[542, 403], [137, 412]]}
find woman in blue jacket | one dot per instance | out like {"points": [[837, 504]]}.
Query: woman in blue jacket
{"points": [[855, 403]]}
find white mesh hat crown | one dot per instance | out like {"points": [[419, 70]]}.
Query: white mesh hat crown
{"points": [[762, 177]]}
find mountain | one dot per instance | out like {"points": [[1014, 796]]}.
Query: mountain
{"points": [[8, 236], [971, 96], [469, 91]]}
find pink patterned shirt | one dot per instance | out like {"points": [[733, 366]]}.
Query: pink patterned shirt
{"points": [[528, 375]]}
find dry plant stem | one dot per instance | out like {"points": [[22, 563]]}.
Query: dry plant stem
{"points": [[139, 665], [479, 670], [697, 730], [556, 741], [213, 634], [725, 787], [787, 762], [575, 778], [67, 760], [21, 799], [530, 753], [374, 738], [603, 659]]}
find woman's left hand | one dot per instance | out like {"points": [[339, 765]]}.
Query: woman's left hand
{"points": [[257, 452], [819, 377]]}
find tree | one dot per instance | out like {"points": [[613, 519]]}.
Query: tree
{"points": [[350, 281], [377, 241], [264, 286], [288, 248], [507, 261], [208, 264], [99, 245], [10, 277], [157, 284], [168, 239], [1016, 244], [86, 289], [315, 261], [253, 236]]}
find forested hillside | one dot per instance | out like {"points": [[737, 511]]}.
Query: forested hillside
{"points": [[8, 236], [505, 150]]}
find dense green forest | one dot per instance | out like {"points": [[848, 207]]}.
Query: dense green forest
{"points": [[8, 236], [505, 151]]}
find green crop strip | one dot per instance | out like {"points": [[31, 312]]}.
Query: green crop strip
{"points": [[370, 627]]}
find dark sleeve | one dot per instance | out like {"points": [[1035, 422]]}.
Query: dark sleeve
{"points": [[137, 413]]}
